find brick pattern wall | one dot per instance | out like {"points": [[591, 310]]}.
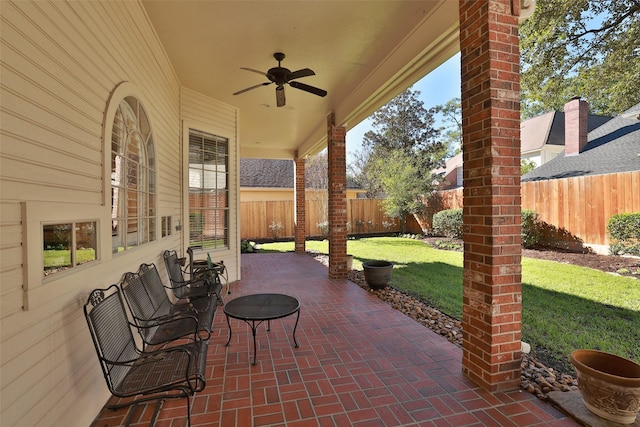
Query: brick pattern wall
{"points": [[492, 309], [337, 164], [300, 202]]}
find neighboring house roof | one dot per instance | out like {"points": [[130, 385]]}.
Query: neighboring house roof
{"points": [[613, 147], [266, 173], [449, 172], [549, 129], [271, 173], [450, 164]]}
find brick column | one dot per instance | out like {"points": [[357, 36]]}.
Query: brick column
{"points": [[337, 169], [300, 206], [492, 297]]}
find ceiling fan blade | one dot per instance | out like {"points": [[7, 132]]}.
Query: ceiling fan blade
{"points": [[252, 87], [305, 72], [307, 88], [280, 100], [262, 73]]}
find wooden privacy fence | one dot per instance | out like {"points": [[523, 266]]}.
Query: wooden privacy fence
{"points": [[580, 205], [583, 205], [363, 215]]}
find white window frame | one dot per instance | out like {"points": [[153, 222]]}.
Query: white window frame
{"points": [[144, 220], [36, 214], [195, 180]]}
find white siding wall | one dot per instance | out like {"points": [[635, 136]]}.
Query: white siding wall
{"points": [[208, 115], [59, 64], [550, 152]]}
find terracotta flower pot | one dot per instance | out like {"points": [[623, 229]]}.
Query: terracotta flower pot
{"points": [[609, 384], [377, 273]]}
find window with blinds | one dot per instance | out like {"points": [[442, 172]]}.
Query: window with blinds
{"points": [[208, 190]]}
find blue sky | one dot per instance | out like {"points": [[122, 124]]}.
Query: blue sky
{"points": [[438, 87]]}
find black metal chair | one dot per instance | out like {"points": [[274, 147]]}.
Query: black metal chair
{"points": [[187, 289], [205, 307], [220, 271], [175, 372], [157, 319]]}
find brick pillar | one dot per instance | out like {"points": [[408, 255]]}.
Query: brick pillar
{"points": [[492, 296], [337, 165], [300, 205]]}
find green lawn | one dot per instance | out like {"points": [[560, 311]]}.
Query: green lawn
{"points": [[564, 307], [62, 258]]}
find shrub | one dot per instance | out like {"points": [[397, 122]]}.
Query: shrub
{"points": [[624, 230], [275, 228], [324, 228], [531, 229], [387, 225], [247, 246], [448, 223]]}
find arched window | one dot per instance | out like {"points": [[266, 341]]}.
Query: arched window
{"points": [[133, 180]]}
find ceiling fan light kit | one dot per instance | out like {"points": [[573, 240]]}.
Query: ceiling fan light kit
{"points": [[281, 76]]}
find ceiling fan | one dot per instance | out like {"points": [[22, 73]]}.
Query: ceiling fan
{"points": [[281, 76]]}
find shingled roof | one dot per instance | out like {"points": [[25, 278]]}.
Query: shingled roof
{"points": [[549, 129], [272, 173], [266, 173], [611, 148]]}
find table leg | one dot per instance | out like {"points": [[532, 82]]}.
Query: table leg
{"points": [[229, 340], [294, 329], [253, 330]]}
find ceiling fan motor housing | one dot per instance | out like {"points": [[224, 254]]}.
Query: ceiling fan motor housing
{"points": [[281, 76]]}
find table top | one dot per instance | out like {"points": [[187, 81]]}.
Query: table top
{"points": [[261, 306]]}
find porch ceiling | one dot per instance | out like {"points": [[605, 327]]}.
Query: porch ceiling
{"points": [[363, 54]]}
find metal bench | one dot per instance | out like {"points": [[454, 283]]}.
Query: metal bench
{"points": [[171, 373], [158, 319]]}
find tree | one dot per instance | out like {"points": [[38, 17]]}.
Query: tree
{"points": [[317, 180], [452, 130], [401, 152], [358, 173], [398, 177], [586, 48], [526, 166]]}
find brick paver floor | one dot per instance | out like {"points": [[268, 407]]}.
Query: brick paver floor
{"points": [[360, 363]]}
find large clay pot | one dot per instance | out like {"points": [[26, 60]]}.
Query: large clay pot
{"points": [[609, 384], [377, 273]]}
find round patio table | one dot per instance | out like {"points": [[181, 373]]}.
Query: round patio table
{"points": [[255, 309]]}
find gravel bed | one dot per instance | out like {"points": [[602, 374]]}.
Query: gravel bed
{"points": [[536, 378]]}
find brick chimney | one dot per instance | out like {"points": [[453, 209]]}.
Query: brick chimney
{"points": [[575, 126]]}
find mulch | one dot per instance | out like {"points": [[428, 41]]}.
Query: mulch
{"points": [[606, 263]]}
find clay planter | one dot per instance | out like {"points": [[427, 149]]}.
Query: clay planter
{"points": [[609, 384], [377, 273]]}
